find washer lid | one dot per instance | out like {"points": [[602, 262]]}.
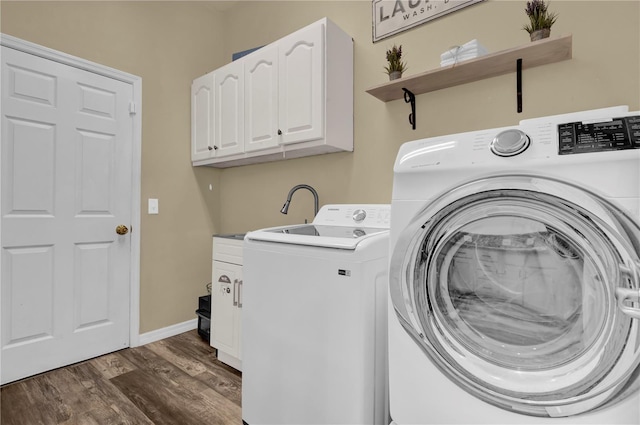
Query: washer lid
{"points": [[341, 237], [525, 292], [341, 226]]}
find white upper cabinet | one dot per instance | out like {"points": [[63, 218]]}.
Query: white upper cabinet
{"points": [[291, 98], [301, 97], [202, 117], [217, 115], [228, 123], [261, 99]]}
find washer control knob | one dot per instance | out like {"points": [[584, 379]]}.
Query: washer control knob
{"points": [[358, 233], [510, 143], [359, 215]]}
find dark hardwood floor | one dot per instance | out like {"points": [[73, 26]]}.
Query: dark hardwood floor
{"points": [[176, 381]]}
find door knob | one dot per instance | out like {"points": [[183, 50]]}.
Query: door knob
{"points": [[122, 229]]}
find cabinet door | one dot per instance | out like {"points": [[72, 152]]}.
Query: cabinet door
{"points": [[301, 85], [229, 110], [261, 99], [225, 294], [202, 117]]}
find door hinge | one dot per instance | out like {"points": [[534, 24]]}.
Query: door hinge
{"points": [[132, 108]]}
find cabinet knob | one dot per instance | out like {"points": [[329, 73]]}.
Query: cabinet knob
{"points": [[210, 148], [215, 147], [279, 132]]}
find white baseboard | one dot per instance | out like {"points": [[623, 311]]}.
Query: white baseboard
{"points": [[169, 331]]}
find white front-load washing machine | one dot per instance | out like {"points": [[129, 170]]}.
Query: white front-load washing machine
{"points": [[314, 319], [515, 274]]}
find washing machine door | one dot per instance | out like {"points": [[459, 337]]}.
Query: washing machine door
{"points": [[524, 291]]}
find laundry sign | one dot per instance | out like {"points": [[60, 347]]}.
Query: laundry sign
{"points": [[393, 16]]}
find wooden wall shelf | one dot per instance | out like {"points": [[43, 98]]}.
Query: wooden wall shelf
{"points": [[533, 54]]}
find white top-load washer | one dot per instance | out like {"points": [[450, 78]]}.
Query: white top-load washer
{"points": [[515, 274], [314, 319]]}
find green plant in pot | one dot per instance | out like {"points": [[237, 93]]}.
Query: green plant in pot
{"points": [[540, 19], [395, 66]]}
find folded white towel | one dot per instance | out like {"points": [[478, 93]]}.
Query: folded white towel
{"points": [[473, 44], [469, 50], [463, 54], [459, 52], [460, 58]]}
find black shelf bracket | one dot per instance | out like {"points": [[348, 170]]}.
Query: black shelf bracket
{"points": [[519, 84], [409, 97]]}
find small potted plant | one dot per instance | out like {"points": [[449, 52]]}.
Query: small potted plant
{"points": [[540, 20], [396, 66]]}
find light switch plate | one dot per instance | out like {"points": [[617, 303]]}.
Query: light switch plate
{"points": [[153, 206]]}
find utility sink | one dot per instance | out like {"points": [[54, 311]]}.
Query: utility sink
{"points": [[236, 236]]}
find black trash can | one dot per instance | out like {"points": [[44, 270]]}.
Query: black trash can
{"points": [[204, 317]]}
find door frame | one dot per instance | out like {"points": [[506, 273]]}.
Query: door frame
{"points": [[136, 83]]}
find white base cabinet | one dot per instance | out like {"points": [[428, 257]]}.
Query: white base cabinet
{"points": [[288, 99], [226, 300]]}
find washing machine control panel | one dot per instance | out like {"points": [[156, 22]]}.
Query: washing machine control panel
{"points": [[361, 215], [371, 215], [597, 136]]}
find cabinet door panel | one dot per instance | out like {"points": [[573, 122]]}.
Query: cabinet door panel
{"points": [[301, 88], [261, 99], [229, 110], [224, 310], [202, 117]]}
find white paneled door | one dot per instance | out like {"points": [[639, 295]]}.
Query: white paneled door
{"points": [[66, 173]]}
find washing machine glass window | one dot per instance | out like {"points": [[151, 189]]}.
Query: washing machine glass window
{"points": [[524, 291]]}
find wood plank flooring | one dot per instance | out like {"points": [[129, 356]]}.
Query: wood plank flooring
{"points": [[176, 381]]}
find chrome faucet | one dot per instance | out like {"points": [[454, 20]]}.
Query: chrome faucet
{"points": [[285, 207]]}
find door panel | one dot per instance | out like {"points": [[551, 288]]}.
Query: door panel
{"points": [[91, 284], [30, 273], [29, 187], [95, 155], [30, 85], [66, 184]]}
